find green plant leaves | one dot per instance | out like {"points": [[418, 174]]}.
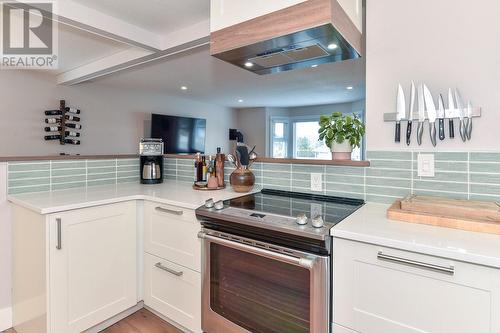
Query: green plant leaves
{"points": [[338, 127]]}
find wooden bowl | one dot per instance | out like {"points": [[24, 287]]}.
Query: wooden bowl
{"points": [[242, 180]]}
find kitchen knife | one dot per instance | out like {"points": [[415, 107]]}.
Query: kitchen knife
{"points": [[440, 116], [451, 106], [468, 129], [401, 112], [421, 113], [431, 114], [410, 113], [458, 100]]}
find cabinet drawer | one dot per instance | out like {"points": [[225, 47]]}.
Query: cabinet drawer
{"points": [[384, 290], [174, 291], [171, 233]]}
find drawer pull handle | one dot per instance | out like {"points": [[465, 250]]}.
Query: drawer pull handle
{"points": [[166, 269], [418, 264], [59, 236], [169, 211]]}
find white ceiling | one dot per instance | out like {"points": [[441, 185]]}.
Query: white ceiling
{"points": [[211, 80], [77, 48], [158, 16]]}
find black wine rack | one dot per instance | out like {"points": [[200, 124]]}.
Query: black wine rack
{"points": [[63, 125]]}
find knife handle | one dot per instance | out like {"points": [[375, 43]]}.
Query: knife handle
{"points": [[397, 137], [462, 130], [452, 129], [468, 128], [408, 132], [432, 132], [441, 129], [420, 131]]}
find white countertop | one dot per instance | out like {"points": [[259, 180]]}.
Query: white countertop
{"points": [[170, 192], [370, 225]]}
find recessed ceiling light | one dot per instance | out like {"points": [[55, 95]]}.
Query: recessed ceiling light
{"points": [[240, 101], [349, 87], [248, 64], [184, 88], [332, 46], [314, 66]]}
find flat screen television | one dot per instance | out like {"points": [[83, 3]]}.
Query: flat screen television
{"points": [[181, 135]]}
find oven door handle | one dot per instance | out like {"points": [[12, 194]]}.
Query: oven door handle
{"points": [[307, 263]]}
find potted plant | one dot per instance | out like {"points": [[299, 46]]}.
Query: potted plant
{"points": [[341, 133]]}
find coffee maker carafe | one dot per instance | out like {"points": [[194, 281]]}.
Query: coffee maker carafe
{"points": [[151, 151]]}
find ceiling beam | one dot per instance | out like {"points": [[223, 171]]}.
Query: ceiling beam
{"points": [[90, 20], [174, 43], [123, 61]]}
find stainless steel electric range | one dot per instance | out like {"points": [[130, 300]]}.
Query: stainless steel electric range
{"points": [[266, 262]]}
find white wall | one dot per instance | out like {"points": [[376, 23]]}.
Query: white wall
{"points": [[445, 43], [5, 252], [112, 120]]}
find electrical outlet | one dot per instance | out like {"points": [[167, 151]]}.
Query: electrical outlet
{"points": [[425, 165], [317, 182], [316, 210]]}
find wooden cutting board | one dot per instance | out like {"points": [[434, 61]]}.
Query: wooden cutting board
{"points": [[467, 215]]}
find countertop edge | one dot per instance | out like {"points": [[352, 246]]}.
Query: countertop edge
{"points": [[88, 204]]}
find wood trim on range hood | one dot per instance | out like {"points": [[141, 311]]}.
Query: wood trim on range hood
{"points": [[300, 17]]}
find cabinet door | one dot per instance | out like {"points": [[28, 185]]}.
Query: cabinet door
{"points": [[93, 266], [383, 290], [171, 233], [174, 291]]}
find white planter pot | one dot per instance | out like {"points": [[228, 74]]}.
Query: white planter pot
{"points": [[341, 151]]}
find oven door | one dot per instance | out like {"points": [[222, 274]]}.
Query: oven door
{"points": [[250, 286]]}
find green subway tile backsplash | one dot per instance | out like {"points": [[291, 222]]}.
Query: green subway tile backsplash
{"points": [[392, 175]]}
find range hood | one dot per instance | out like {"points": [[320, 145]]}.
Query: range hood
{"points": [[308, 34]]}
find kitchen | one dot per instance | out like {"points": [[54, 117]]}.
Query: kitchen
{"points": [[385, 275]]}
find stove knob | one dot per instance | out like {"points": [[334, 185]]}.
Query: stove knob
{"points": [[318, 222], [301, 219], [209, 203], [219, 205]]}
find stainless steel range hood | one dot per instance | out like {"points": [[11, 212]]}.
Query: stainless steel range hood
{"points": [[266, 45]]}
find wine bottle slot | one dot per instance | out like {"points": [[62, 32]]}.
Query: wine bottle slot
{"points": [[52, 120], [53, 129], [52, 137], [72, 133], [72, 142], [72, 110], [72, 118], [53, 113], [75, 126]]}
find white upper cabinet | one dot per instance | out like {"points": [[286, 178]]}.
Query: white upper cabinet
{"points": [[226, 13]]}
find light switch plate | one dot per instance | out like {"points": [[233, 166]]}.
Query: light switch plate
{"points": [[317, 182], [425, 165]]}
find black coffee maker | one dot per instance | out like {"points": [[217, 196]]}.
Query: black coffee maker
{"points": [[151, 151]]}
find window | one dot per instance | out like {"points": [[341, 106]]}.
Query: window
{"points": [[305, 141], [297, 137], [279, 138]]}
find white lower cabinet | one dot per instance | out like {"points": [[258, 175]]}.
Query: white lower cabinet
{"points": [[172, 264], [385, 290], [174, 291], [93, 266], [73, 270], [172, 233]]}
